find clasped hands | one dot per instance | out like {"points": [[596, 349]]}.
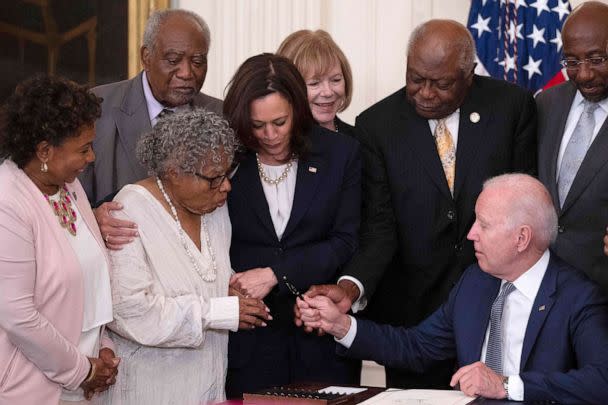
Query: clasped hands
{"points": [[251, 287], [325, 308], [103, 373]]}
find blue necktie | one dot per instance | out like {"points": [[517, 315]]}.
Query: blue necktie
{"points": [[494, 352], [576, 150]]}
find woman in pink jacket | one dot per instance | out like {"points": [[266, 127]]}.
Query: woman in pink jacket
{"points": [[54, 284]]}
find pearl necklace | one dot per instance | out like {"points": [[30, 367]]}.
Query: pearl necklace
{"points": [[210, 275], [279, 179]]}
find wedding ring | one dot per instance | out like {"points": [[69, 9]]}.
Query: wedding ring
{"points": [[107, 238]]}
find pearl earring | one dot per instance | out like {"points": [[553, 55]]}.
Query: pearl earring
{"points": [[44, 167]]}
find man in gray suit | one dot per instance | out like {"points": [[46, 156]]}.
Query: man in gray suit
{"points": [[174, 56], [573, 142]]}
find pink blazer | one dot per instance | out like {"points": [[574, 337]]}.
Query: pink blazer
{"points": [[41, 294]]}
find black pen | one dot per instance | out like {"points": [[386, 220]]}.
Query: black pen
{"points": [[292, 288]]}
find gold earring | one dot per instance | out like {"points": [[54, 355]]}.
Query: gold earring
{"points": [[44, 167]]}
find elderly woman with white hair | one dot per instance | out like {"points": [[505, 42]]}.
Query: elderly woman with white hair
{"points": [[170, 289]]}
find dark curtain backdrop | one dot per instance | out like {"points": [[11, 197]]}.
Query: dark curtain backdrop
{"points": [[111, 42]]}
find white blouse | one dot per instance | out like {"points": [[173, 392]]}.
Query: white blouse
{"points": [[97, 308], [280, 196]]}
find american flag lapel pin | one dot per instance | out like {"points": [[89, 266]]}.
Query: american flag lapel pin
{"points": [[312, 169], [541, 308]]}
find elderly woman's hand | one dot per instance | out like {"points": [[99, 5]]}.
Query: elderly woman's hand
{"points": [[252, 311], [115, 232], [254, 283], [103, 373]]}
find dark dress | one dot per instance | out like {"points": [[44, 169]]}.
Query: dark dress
{"points": [[320, 237]]}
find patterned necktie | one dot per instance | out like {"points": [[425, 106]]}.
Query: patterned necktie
{"points": [[446, 151], [576, 150], [494, 352], [165, 112]]}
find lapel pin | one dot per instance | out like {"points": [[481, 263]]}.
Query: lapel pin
{"points": [[474, 117], [541, 308], [312, 169]]}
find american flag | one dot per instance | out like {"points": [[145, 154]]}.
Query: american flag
{"points": [[519, 40]]}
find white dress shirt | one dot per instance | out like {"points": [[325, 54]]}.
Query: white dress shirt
{"points": [[280, 196], [516, 312], [515, 315], [452, 123], [576, 110]]}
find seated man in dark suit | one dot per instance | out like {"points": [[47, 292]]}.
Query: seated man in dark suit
{"points": [[174, 56], [521, 323]]}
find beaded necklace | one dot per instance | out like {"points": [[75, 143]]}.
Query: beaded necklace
{"points": [[209, 276], [63, 210], [279, 179]]}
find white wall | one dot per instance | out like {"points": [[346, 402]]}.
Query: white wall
{"points": [[372, 33]]}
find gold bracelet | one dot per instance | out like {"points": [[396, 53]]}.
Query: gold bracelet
{"points": [[91, 374]]}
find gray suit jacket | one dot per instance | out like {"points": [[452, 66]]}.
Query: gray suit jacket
{"points": [[124, 117], [584, 216]]}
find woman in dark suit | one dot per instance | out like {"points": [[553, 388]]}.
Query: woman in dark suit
{"points": [[327, 74], [295, 209]]}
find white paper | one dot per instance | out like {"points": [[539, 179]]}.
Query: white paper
{"points": [[419, 397], [341, 390]]}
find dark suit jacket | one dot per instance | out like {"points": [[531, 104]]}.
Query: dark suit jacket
{"points": [[124, 117], [565, 351], [413, 245], [321, 234], [584, 217], [345, 128]]}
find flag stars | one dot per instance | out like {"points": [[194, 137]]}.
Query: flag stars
{"points": [[533, 67], [562, 9], [515, 33], [508, 63], [537, 36], [482, 25], [540, 6], [557, 40]]}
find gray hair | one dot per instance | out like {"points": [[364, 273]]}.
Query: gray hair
{"points": [[157, 18], [465, 43], [187, 141], [532, 205]]}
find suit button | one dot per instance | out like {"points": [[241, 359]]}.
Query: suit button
{"points": [[451, 215], [560, 229], [458, 247], [278, 252]]}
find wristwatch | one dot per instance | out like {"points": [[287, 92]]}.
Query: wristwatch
{"points": [[505, 385]]}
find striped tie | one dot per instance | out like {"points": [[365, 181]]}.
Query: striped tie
{"points": [[494, 352]]}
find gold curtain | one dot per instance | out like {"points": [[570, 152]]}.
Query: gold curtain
{"points": [[139, 10]]}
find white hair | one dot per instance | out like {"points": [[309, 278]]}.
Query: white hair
{"points": [[530, 204], [157, 19]]}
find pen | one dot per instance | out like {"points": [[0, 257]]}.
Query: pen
{"points": [[292, 288]]}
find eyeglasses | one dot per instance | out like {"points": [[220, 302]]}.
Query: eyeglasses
{"points": [[215, 182], [574, 64]]}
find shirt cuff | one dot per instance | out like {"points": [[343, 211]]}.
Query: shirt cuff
{"points": [[516, 388], [347, 340], [361, 301], [224, 313]]}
